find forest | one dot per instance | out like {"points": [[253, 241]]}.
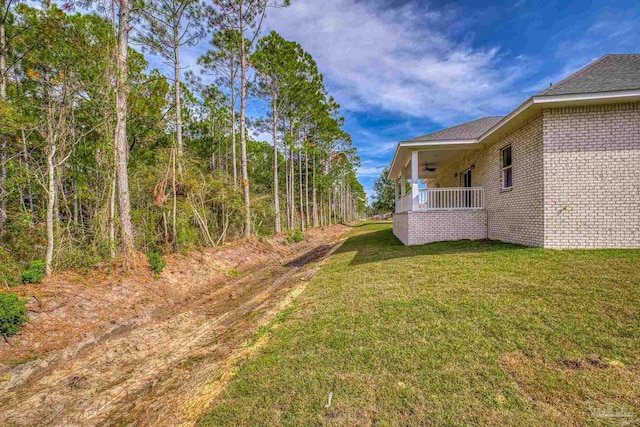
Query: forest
{"points": [[103, 157]]}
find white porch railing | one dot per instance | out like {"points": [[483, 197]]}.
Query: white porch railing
{"points": [[443, 198], [451, 198], [404, 203]]}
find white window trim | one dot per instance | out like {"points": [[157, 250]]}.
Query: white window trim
{"points": [[505, 168]]}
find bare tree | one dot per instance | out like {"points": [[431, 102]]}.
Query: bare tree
{"points": [[59, 146]]}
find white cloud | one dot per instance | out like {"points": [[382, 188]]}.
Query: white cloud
{"points": [[371, 168], [401, 60], [379, 149]]}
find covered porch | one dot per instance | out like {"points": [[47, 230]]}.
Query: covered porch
{"points": [[424, 214], [415, 165]]}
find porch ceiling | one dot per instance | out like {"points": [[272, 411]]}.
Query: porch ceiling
{"points": [[429, 155]]}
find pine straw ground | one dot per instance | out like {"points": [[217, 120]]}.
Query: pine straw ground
{"points": [[154, 352], [463, 333], [74, 308]]}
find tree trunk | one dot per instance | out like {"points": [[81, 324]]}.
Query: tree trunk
{"points": [[286, 185], [301, 204], [321, 208], [274, 131], [3, 139], [120, 139], [112, 218], [114, 180], [306, 186], [3, 181], [243, 137], [25, 156], [329, 207], [51, 202], [174, 228], [292, 181], [314, 195], [178, 111], [212, 132], [74, 186], [233, 136]]}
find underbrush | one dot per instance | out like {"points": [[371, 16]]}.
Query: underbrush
{"points": [[13, 310], [295, 236], [156, 262], [9, 269], [35, 272]]}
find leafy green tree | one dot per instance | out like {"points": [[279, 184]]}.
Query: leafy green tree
{"points": [[246, 17], [276, 60], [89, 138], [385, 193], [59, 68], [169, 25], [223, 61]]}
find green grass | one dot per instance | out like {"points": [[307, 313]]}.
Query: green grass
{"points": [[458, 333]]}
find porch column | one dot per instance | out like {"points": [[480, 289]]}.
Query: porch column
{"points": [[403, 182], [396, 190], [415, 196]]}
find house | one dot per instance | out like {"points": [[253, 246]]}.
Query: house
{"points": [[560, 171]]}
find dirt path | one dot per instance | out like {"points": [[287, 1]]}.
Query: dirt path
{"points": [[164, 372]]}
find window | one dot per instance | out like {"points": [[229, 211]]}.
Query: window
{"points": [[507, 170]]}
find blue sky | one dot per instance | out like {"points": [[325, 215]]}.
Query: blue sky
{"points": [[405, 68]]}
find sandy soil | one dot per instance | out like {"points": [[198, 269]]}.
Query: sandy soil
{"points": [[117, 347]]}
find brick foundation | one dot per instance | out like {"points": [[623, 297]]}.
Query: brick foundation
{"points": [[418, 228]]}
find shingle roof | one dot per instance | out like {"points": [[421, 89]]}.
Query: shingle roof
{"points": [[613, 72], [609, 73], [469, 130]]}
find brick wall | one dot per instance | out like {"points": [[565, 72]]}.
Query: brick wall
{"points": [[418, 228], [592, 176], [401, 226], [514, 215]]}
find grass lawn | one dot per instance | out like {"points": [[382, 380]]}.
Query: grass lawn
{"points": [[457, 333]]}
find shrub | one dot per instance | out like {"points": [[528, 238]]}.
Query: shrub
{"points": [[78, 256], [295, 236], [156, 262], [10, 269], [35, 272], [12, 313]]}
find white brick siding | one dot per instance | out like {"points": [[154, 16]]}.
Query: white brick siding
{"points": [[401, 226], [420, 227], [592, 176], [514, 215]]}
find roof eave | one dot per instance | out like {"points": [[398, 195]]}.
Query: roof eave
{"points": [[535, 103], [413, 145], [615, 96], [531, 105]]}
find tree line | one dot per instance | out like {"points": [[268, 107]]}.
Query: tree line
{"points": [[101, 156]]}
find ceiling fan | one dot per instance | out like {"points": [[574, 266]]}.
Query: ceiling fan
{"points": [[428, 169]]}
